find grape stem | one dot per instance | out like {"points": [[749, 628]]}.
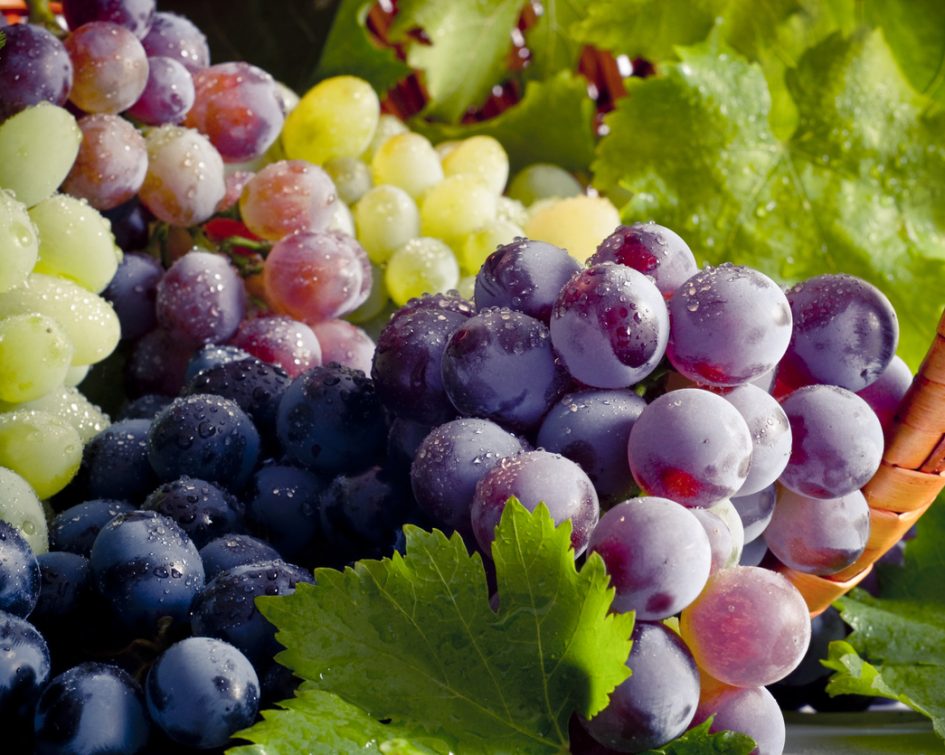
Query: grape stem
{"points": [[41, 15]]}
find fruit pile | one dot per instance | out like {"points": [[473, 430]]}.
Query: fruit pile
{"points": [[194, 219]]}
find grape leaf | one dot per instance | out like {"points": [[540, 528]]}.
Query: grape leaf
{"points": [[413, 639], [859, 186], [552, 123], [698, 741], [552, 44]]}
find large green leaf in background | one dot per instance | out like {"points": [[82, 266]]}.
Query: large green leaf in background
{"points": [[553, 45]]}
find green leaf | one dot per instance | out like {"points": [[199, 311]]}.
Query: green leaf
{"points": [[857, 187], [698, 741], [552, 123], [552, 44], [413, 639], [467, 53]]}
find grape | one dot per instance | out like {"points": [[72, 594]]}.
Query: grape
{"points": [[386, 218], [111, 163], [345, 343], [652, 249], [409, 162], [34, 67], [818, 536], [65, 584], [235, 181], [770, 435], [845, 332], [75, 529], [690, 446], [280, 341], [543, 181], [499, 365], [482, 157], [575, 223], [387, 126], [455, 207], [749, 627], [135, 15], [24, 666], [34, 356], [201, 297], [656, 553], [751, 711], [146, 567], [19, 573], [731, 324], [144, 407], [184, 182], [288, 196], [450, 461], [18, 240], [755, 511], [511, 211], [201, 691], [158, 363], [591, 427], [168, 94], [422, 265], [132, 292], [403, 439], [130, 225], [657, 702], [609, 324], [37, 148], [525, 275], [352, 178], [43, 449], [753, 553], [838, 442], [535, 477], [203, 510], [20, 507], [480, 244], [233, 550], [176, 37], [282, 507], [335, 118], [886, 392], [75, 242], [377, 308], [725, 533], [316, 276], [110, 65]]}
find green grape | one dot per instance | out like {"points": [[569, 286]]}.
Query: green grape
{"points": [[467, 287], [422, 265], [20, 507], [375, 303], [480, 244], [35, 354], [37, 148], [444, 148], [88, 320], [409, 161], [44, 450], [511, 210], [351, 176], [335, 118], [76, 374], [387, 126], [480, 156], [19, 245], [455, 207], [577, 223], [543, 181], [341, 219], [386, 219], [71, 405], [75, 242]]}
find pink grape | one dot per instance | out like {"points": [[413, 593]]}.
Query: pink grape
{"points": [[167, 96], [345, 343], [288, 196], [282, 341], [111, 67], [752, 711]]}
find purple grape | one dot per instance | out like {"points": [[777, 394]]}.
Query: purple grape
{"points": [[75, 529], [753, 553], [229, 551], [886, 392], [730, 324], [168, 94], [838, 442], [526, 276], [176, 37], [135, 15], [610, 326], [19, 572], [203, 510], [130, 225], [158, 363], [403, 439], [24, 668], [133, 291], [724, 543], [751, 711], [110, 67], [144, 407], [115, 462], [66, 580], [34, 67], [770, 436], [652, 249], [656, 553], [282, 507], [755, 511], [212, 355], [280, 341], [690, 446]]}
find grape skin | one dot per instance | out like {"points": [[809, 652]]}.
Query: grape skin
{"points": [[111, 67]]}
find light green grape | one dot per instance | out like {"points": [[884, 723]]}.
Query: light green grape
{"points": [[511, 210], [76, 374], [19, 244], [377, 300], [543, 181], [69, 404], [480, 244], [444, 148], [726, 511], [455, 207], [44, 450], [352, 178], [386, 218], [37, 148], [88, 320], [467, 287], [75, 242], [409, 161], [480, 156], [422, 265], [341, 219], [35, 355], [20, 507], [577, 223], [387, 126], [335, 118]]}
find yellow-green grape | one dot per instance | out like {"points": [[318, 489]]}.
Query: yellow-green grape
{"points": [[75, 242], [69, 404], [377, 300], [37, 148], [20, 507], [467, 287], [543, 181], [455, 207], [351, 176], [480, 156], [421, 266], [35, 354], [335, 118], [341, 219], [577, 224], [409, 161], [76, 374], [44, 450], [480, 244], [386, 218], [387, 126], [19, 245], [88, 320], [444, 148], [511, 210]]}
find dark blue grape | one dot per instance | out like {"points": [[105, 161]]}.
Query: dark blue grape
{"points": [[211, 355], [130, 224], [282, 507], [403, 440], [157, 363], [115, 462], [65, 583], [202, 509], [75, 529], [24, 667], [132, 292], [144, 407], [19, 572], [234, 550]]}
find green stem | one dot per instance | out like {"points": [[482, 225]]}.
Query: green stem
{"points": [[42, 15]]}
